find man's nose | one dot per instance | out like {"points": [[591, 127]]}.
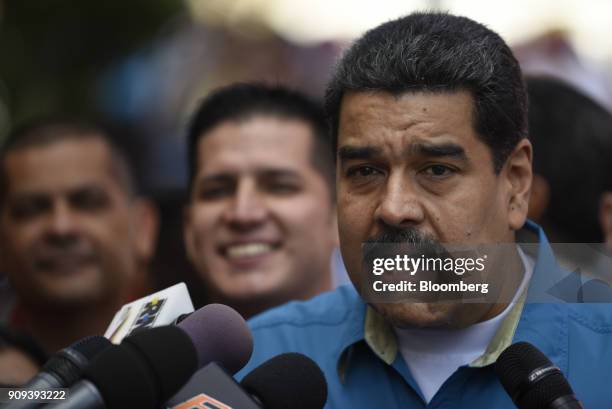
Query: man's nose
{"points": [[400, 205], [248, 206], [62, 221]]}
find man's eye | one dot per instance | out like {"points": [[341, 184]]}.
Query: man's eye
{"points": [[362, 171], [28, 209], [93, 199], [217, 192], [439, 170], [282, 187]]}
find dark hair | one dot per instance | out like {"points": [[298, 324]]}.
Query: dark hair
{"points": [[48, 130], [572, 140], [243, 100], [439, 52]]}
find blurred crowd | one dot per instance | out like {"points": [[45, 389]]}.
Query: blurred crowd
{"points": [[199, 154]]}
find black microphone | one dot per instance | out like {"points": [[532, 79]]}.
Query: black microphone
{"points": [[532, 381], [63, 369], [145, 370], [289, 380], [215, 332]]}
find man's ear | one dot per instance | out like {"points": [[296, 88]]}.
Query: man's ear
{"points": [[605, 217], [518, 173], [539, 199], [147, 228]]}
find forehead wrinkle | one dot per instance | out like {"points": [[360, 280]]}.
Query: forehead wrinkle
{"points": [[394, 122]]}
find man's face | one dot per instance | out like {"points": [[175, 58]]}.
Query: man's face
{"points": [[66, 225], [260, 225], [415, 162]]}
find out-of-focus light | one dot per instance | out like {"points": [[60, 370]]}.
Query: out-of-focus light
{"points": [[322, 20], [301, 21], [587, 22], [309, 21]]}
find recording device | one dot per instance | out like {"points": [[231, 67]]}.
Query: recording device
{"points": [[154, 310], [222, 334], [151, 365], [532, 381], [289, 380], [142, 372], [63, 369], [212, 387]]}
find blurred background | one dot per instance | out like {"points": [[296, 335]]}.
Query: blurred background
{"points": [[142, 65]]}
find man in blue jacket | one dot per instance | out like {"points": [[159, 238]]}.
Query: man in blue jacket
{"points": [[428, 116]]}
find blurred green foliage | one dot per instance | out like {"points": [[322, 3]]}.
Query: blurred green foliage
{"points": [[52, 51]]}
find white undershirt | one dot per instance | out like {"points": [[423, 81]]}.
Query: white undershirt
{"points": [[433, 355]]}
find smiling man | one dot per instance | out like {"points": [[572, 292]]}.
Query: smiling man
{"points": [[75, 238], [260, 226], [428, 114]]}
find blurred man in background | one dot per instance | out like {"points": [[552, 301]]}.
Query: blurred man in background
{"points": [[75, 238], [260, 225], [571, 196]]}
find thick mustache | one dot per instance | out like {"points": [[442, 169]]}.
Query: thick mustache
{"points": [[405, 236], [401, 241]]}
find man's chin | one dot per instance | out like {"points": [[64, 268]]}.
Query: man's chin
{"points": [[254, 295], [74, 291], [419, 315]]}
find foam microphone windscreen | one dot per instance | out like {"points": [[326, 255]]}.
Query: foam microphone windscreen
{"points": [[170, 355], [221, 335], [529, 377], [289, 380], [123, 379]]}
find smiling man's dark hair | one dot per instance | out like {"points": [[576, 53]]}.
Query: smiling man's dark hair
{"points": [[438, 52], [240, 101]]}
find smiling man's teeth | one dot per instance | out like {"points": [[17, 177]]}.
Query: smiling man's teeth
{"points": [[248, 250]]}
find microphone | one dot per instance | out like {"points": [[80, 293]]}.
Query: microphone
{"points": [[63, 369], [212, 387], [153, 310], [289, 380], [147, 368], [215, 332], [532, 381], [222, 335]]}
